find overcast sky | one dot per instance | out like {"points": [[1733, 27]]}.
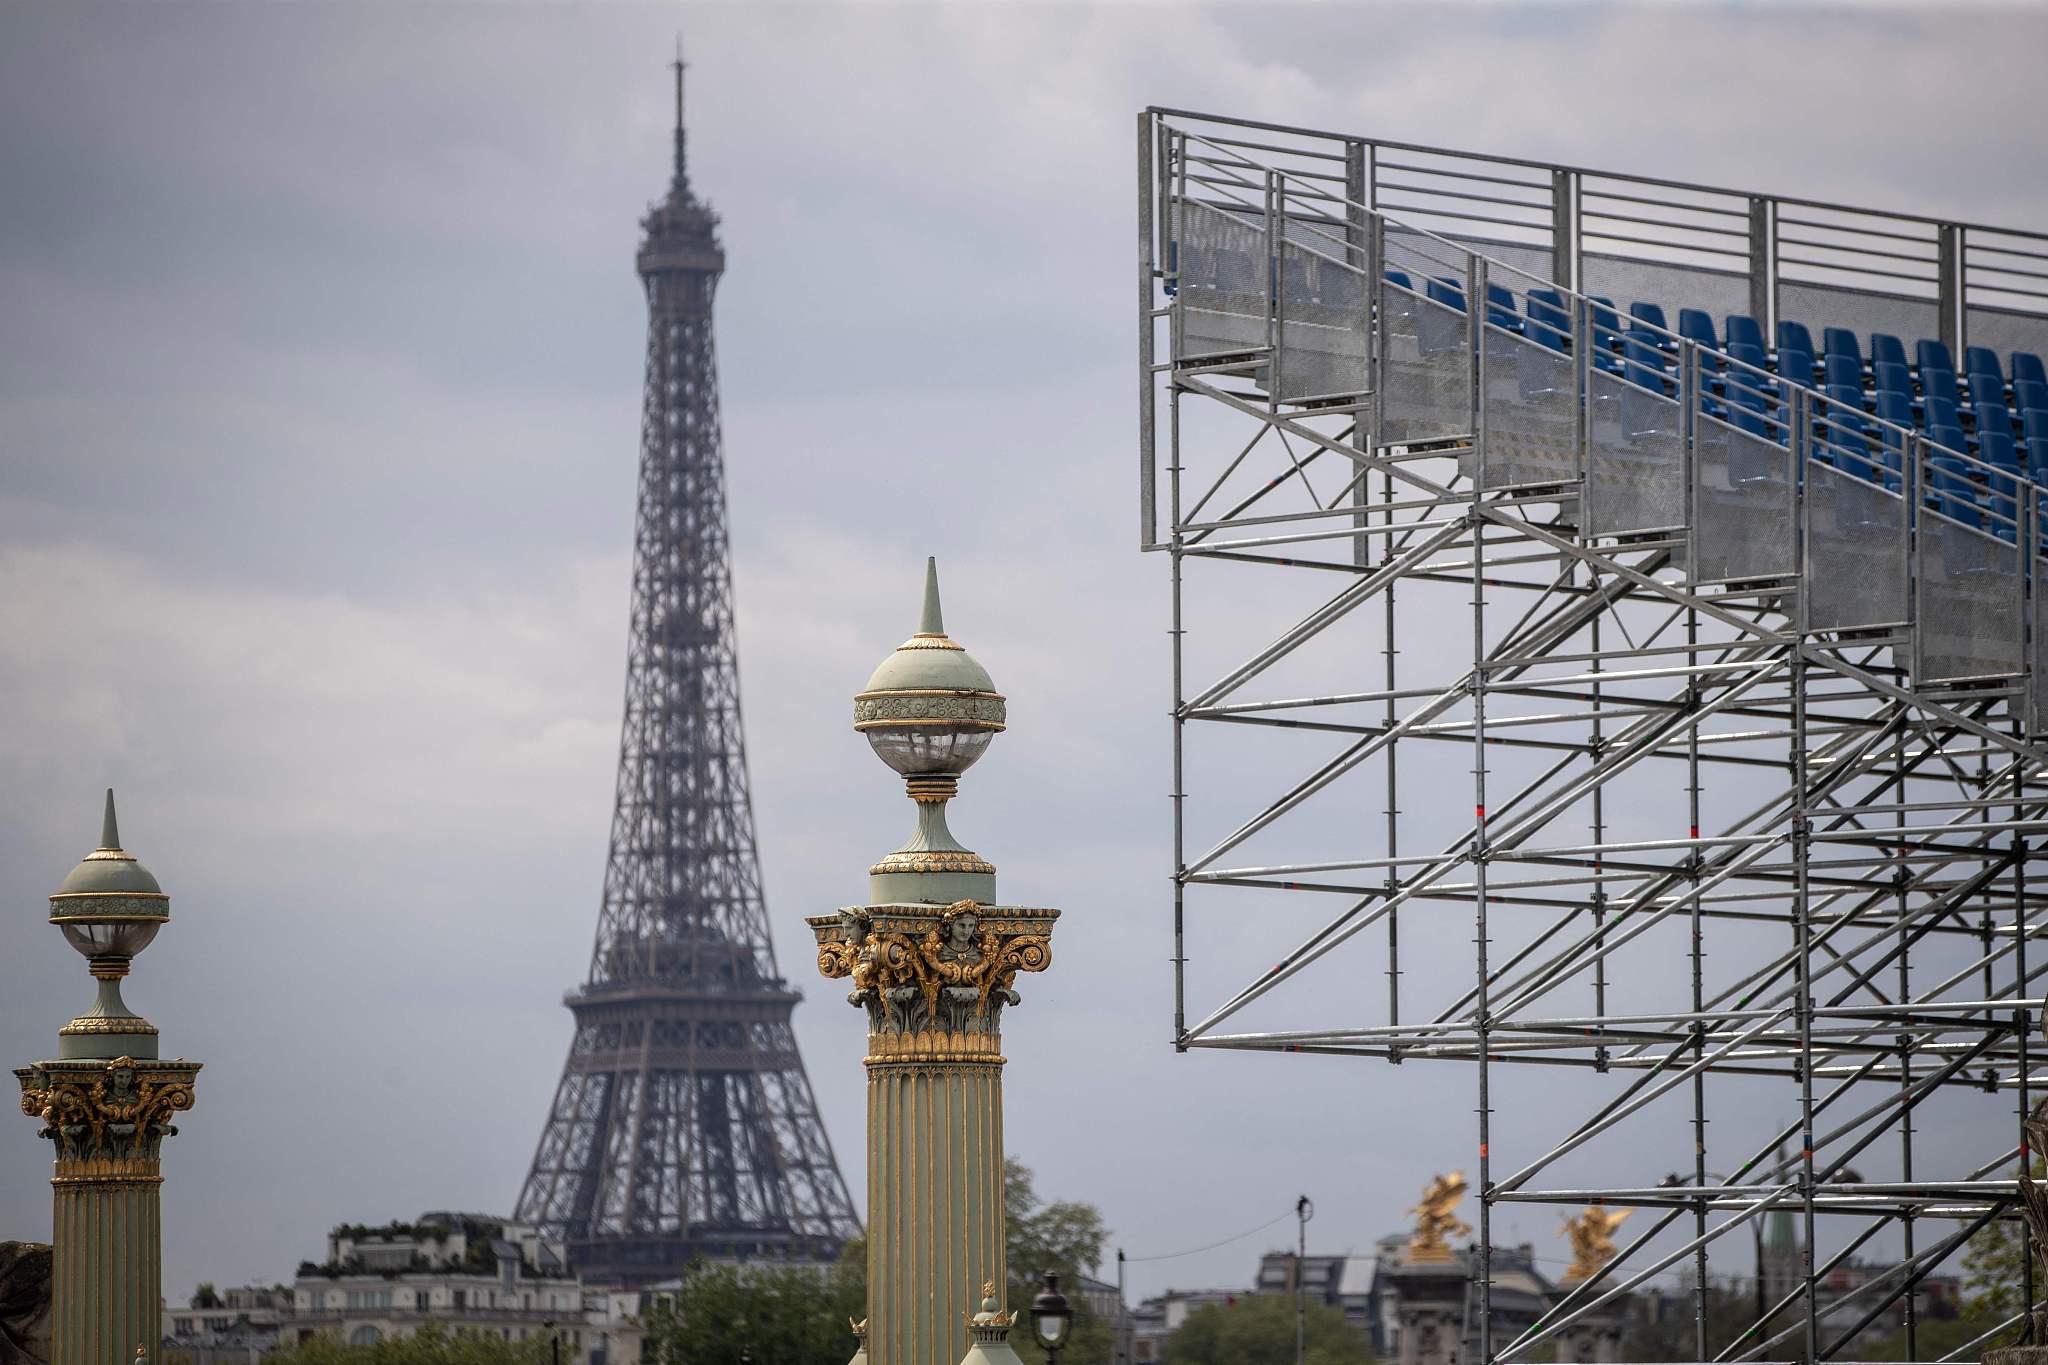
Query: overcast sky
{"points": [[320, 356]]}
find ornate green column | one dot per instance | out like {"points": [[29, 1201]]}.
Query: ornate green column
{"points": [[933, 960], [106, 1102]]}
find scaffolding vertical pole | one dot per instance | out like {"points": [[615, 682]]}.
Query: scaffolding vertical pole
{"points": [[1695, 923], [1900, 879], [1148, 493], [1176, 632], [2024, 1020], [1802, 925], [1475, 315], [1359, 255]]}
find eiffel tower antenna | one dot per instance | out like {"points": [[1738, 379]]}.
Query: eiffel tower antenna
{"points": [[681, 181], [684, 1126]]}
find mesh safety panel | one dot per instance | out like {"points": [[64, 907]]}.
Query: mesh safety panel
{"points": [[1855, 552], [1672, 287], [1863, 311], [1425, 369], [1532, 429], [1969, 588], [1221, 303], [1635, 460], [2004, 331], [1743, 504], [1322, 327]]}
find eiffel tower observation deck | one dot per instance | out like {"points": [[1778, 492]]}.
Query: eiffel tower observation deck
{"points": [[684, 1126]]}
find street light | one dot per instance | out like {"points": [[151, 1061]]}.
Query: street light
{"points": [[1051, 1317]]}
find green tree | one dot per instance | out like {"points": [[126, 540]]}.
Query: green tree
{"points": [[779, 1315], [1063, 1236], [1258, 1329], [433, 1344]]}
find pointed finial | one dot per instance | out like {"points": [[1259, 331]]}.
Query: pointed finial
{"points": [[931, 623], [110, 829]]}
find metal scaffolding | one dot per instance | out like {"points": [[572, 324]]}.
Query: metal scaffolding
{"points": [[1747, 693]]}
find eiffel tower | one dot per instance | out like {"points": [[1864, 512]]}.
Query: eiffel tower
{"points": [[684, 1126]]}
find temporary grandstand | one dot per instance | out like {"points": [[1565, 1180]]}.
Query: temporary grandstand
{"points": [[1581, 673]]}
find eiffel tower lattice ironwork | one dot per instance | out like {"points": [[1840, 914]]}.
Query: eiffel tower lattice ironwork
{"points": [[684, 1126]]}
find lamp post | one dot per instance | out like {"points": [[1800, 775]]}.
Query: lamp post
{"points": [[1051, 1317], [107, 1102], [933, 962]]}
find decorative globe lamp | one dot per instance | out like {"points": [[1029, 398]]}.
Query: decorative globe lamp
{"points": [[110, 909], [929, 712]]}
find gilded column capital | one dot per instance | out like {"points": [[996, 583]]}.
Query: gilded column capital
{"points": [[108, 1118], [934, 981]]}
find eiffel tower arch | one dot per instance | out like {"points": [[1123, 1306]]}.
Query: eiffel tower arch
{"points": [[684, 1126]]}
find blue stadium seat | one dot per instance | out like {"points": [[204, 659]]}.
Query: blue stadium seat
{"points": [[1549, 322], [1743, 330], [1893, 406], [1793, 336], [1949, 489], [1750, 410], [1983, 360], [1986, 389], [1500, 308], [1647, 364], [1440, 333], [1996, 448], [1795, 366], [2027, 366], [1949, 438], [1993, 420], [1886, 349], [1841, 341], [1399, 277], [1897, 409], [1696, 324], [1651, 313], [1936, 411], [1645, 407], [1940, 384], [2029, 393], [2034, 424], [2037, 459], [1839, 369], [1756, 378], [1887, 377], [1929, 354], [1606, 334]]}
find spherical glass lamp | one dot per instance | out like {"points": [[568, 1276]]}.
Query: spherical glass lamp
{"points": [[929, 711]]}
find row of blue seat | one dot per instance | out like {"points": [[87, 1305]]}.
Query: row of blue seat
{"points": [[1752, 395]]}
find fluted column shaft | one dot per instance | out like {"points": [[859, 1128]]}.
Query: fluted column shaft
{"points": [[107, 1280], [935, 1199]]}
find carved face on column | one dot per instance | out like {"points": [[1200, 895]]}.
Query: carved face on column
{"points": [[960, 933]]}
